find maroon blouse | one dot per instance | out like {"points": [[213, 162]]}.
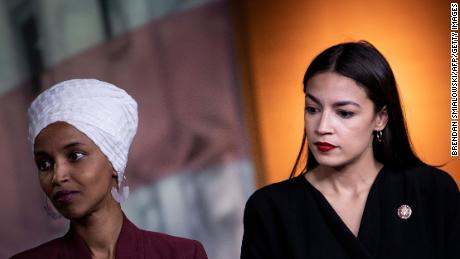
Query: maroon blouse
{"points": [[132, 243]]}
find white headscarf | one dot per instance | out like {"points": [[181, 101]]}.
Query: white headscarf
{"points": [[102, 111]]}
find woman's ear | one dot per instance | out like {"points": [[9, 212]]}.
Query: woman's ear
{"points": [[381, 119]]}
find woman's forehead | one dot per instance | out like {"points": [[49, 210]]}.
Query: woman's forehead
{"points": [[333, 87], [60, 135]]}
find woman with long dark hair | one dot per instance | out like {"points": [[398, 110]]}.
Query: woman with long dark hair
{"points": [[362, 192]]}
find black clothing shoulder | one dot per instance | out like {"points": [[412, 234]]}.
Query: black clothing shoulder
{"points": [[132, 243], [292, 219]]}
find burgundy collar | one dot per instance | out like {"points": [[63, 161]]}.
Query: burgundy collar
{"points": [[127, 243]]}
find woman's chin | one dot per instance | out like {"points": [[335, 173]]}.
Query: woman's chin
{"points": [[71, 214], [331, 162]]}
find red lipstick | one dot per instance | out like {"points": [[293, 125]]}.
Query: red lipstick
{"points": [[64, 196], [324, 146]]}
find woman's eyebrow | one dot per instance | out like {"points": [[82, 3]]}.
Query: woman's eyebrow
{"points": [[343, 103], [72, 144], [314, 99], [336, 104], [39, 152]]}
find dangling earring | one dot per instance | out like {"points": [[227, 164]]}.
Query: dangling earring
{"points": [[50, 210], [379, 135], [121, 193]]}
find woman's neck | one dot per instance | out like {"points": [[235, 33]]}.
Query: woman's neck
{"points": [[354, 178], [100, 230]]}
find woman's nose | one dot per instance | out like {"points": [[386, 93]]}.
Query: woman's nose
{"points": [[324, 124], [60, 173]]}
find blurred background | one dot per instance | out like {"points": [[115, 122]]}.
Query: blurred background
{"points": [[219, 87]]}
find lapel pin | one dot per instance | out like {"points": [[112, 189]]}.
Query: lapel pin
{"points": [[404, 211]]}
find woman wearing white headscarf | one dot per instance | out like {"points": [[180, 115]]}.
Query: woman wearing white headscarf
{"points": [[81, 131]]}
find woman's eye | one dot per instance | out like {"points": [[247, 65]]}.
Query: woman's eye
{"points": [[311, 110], [43, 165], [75, 156], [345, 114]]}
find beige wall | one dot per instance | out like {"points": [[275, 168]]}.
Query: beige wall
{"points": [[278, 39]]}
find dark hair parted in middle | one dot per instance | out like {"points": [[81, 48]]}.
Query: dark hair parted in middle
{"points": [[363, 63]]}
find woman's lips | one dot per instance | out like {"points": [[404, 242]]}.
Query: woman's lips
{"points": [[324, 146], [64, 196]]}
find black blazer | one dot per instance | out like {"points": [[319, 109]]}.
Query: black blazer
{"points": [[292, 219]]}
